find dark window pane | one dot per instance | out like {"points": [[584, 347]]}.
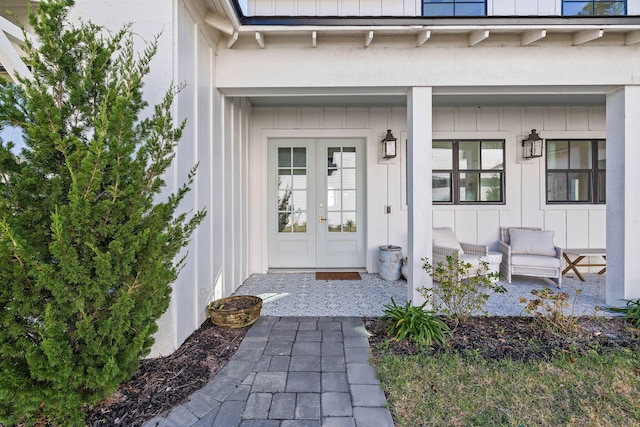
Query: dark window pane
{"points": [[602, 154], [437, 9], [557, 155], [469, 187], [469, 155], [602, 188], [284, 157], [608, 8], [299, 157], [441, 185], [492, 155], [580, 155], [597, 8], [584, 8], [442, 155], [579, 187], [557, 187], [491, 187], [470, 10]]}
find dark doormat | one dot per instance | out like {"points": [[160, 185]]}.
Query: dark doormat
{"points": [[337, 275]]}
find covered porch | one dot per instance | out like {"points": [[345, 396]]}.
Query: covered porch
{"points": [[300, 294]]}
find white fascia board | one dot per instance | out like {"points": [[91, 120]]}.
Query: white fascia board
{"points": [[11, 60], [11, 29], [230, 11], [412, 29], [220, 23]]}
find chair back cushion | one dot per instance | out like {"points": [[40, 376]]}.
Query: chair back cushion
{"points": [[443, 236], [531, 242]]}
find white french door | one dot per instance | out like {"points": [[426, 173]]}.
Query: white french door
{"points": [[316, 198]]}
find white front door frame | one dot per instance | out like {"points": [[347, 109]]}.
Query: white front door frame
{"points": [[261, 163], [316, 244]]}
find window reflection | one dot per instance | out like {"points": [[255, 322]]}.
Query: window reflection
{"points": [[341, 190], [292, 190]]}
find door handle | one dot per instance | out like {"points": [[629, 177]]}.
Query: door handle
{"points": [[321, 219]]}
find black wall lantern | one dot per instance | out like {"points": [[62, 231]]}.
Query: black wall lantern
{"points": [[532, 146], [389, 149]]}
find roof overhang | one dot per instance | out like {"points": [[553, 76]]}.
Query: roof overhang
{"points": [[502, 96], [531, 29]]}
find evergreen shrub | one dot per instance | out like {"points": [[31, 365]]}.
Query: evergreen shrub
{"points": [[90, 239]]}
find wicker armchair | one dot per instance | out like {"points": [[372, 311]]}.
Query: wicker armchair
{"points": [[532, 255], [446, 244]]}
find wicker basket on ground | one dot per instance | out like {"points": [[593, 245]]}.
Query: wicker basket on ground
{"points": [[235, 311]]}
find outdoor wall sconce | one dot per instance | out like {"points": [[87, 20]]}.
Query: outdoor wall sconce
{"points": [[532, 146], [389, 146]]}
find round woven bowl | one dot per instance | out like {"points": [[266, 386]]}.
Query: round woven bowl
{"points": [[222, 315]]}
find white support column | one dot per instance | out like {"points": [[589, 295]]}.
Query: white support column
{"points": [[419, 122], [623, 197]]}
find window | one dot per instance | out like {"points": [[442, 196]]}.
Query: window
{"points": [[468, 171], [454, 7], [576, 171], [594, 8]]}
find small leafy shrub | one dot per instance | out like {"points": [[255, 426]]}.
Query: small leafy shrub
{"points": [[414, 323], [552, 310], [631, 312], [455, 292]]}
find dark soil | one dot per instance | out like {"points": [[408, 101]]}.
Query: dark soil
{"points": [[520, 338], [163, 383]]}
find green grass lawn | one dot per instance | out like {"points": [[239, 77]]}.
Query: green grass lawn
{"points": [[452, 390]]}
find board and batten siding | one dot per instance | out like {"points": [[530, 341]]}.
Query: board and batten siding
{"points": [[401, 8], [390, 7], [215, 138], [574, 226]]}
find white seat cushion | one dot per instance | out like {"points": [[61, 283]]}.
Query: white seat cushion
{"points": [[535, 261], [474, 260], [443, 236]]}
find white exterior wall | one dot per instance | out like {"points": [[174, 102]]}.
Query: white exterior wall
{"points": [[215, 136], [574, 226], [393, 7]]}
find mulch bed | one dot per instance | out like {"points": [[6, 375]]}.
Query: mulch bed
{"points": [[519, 338], [165, 382]]}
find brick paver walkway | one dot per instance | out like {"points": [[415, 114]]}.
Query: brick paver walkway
{"points": [[290, 372]]}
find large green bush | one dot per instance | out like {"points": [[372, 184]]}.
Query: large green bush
{"points": [[89, 246]]}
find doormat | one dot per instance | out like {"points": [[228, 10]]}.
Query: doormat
{"points": [[337, 275]]}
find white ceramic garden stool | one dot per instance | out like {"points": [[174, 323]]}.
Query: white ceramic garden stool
{"points": [[494, 259]]}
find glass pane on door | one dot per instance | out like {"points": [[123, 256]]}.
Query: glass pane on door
{"points": [[341, 190], [292, 189]]}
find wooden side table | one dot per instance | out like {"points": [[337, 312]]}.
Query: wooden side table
{"points": [[580, 254]]}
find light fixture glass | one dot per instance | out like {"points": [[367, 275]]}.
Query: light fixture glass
{"points": [[532, 146], [389, 147]]}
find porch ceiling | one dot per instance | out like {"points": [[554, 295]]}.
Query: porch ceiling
{"points": [[442, 97]]}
